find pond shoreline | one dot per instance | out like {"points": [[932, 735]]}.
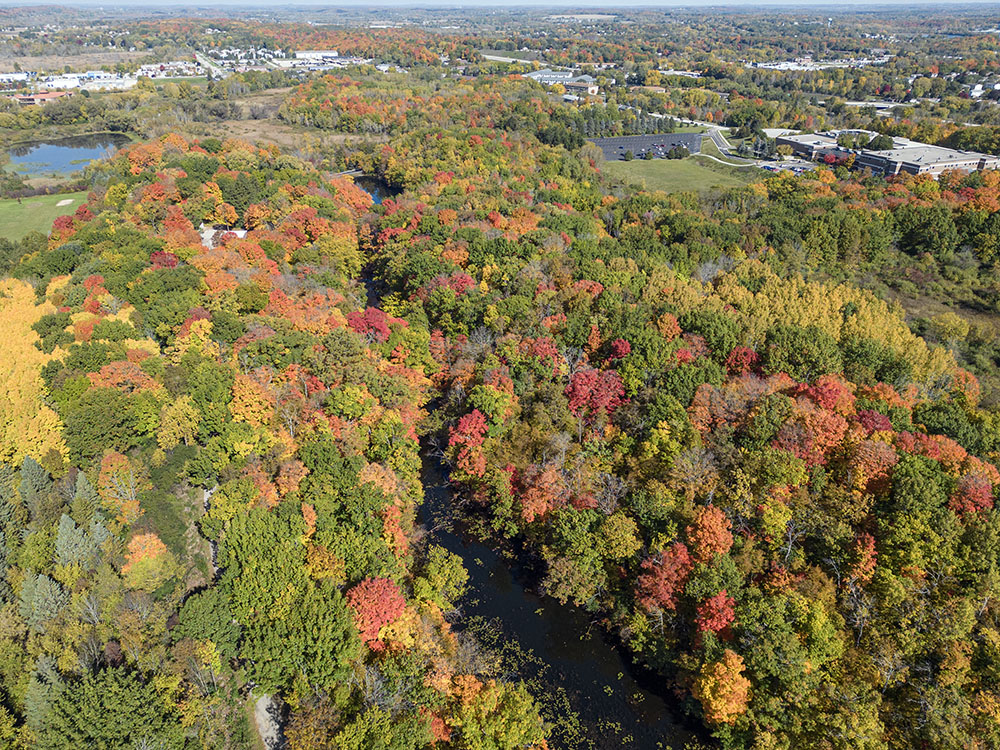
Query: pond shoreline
{"points": [[132, 137], [61, 158], [574, 660]]}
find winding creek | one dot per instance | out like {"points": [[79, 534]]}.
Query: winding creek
{"points": [[565, 657], [573, 665]]}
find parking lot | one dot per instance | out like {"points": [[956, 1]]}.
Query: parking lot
{"points": [[614, 148], [791, 165]]}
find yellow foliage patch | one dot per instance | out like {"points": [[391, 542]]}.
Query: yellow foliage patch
{"points": [[27, 425]]}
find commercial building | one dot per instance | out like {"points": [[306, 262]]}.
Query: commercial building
{"points": [[40, 98], [681, 73], [567, 78], [316, 54], [809, 145], [16, 77], [330, 62], [921, 158], [905, 155], [174, 69], [582, 87]]}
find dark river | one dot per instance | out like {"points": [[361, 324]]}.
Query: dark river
{"points": [[571, 667], [376, 187], [63, 156]]}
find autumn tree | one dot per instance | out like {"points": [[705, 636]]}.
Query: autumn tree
{"points": [[722, 689], [710, 534], [376, 602], [119, 485], [663, 577], [148, 563]]}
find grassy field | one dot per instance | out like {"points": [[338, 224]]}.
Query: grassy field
{"points": [[674, 175], [193, 80], [708, 147], [35, 213]]}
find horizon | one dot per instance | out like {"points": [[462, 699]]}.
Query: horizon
{"points": [[825, 5]]}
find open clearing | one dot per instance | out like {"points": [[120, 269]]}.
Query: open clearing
{"points": [[271, 130], [35, 214], [674, 175], [76, 60]]}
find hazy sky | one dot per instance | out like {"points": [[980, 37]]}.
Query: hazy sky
{"points": [[562, 4]]}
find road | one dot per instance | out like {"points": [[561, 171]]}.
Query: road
{"points": [[498, 58], [213, 68], [714, 132], [727, 163]]}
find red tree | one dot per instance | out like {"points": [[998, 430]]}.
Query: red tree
{"points": [[468, 436], [376, 602], [620, 348], [716, 613], [663, 577], [874, 421], [593, 393], [742, 360], [371, 322], [865, 557], [973, 495], [540, 489]]}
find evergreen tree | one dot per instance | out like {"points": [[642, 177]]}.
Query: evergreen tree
{"points": [[41, 600]]}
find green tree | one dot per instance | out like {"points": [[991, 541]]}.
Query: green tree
{"points": [[503, 716], [41, 600], [376, 729], [444, 578], [113, 709], [802, 353]]}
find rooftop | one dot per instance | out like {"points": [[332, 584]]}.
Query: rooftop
{"points": [[922, 153], [811, 139]]}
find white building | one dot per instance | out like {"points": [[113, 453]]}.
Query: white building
{"points": [[316, 54], [904, 156], [567, 78]]}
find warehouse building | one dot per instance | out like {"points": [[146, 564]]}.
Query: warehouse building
{"points": [[921, 158], [905, 155], [567, 78]]}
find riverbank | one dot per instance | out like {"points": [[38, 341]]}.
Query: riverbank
{"points": [[586, 683]]}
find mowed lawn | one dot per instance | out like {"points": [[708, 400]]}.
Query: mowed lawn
{"points": [[674, 175], [35, 214]]}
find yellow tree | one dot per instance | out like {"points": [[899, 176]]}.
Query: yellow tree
{"points": [[178, 423], [252, 403], [27, 425], [148, 563], [722, 689]]}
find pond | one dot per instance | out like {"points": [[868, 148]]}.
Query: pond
{"points": [[571, 666], [376, 187], [63, 156]]}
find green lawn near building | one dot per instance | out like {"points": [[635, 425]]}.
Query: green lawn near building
{"points": [[35, 214], [674, 175]]}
